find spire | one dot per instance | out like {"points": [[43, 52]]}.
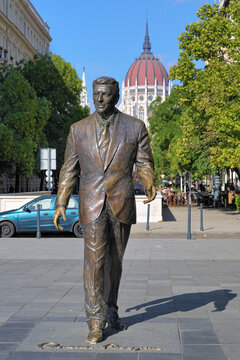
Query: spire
{"points": [[84, 95], [83, 78], [147, 44]]}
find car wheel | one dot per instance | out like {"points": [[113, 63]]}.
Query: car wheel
{"points": [[77, 229], [137, 192], [7, 229]]}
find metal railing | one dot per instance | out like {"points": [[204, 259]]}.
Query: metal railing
{"points": [[173, 199]]}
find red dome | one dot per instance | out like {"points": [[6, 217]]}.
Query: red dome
{"points": [[146, 66]]}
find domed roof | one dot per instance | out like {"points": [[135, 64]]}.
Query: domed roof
{"points": [[147, 66]]}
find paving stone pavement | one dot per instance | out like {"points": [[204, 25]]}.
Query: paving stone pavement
{"points": [[177, 295], [220, 222]]}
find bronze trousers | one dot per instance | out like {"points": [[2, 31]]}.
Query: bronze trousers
{"points": [[105, 243]]}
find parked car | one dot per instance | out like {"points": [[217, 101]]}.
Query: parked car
{"points": [[138, 188], [24, 219]]}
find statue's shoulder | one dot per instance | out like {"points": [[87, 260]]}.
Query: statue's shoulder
{"points": [[131, 119], [82, 123]]}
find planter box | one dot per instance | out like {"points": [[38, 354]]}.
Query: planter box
{"points": [[15, 201], [155, 209]]}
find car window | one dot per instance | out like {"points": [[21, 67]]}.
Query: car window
{"points": [[71, 204], [44, 204]]}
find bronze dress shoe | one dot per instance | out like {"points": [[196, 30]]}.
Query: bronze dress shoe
{"points": [[114, 320], [95, 335]]}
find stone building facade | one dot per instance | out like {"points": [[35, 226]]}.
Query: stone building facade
{"points": [[224, 2], [23, 33]]}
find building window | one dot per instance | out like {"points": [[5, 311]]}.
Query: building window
{"points": [[141, 98], [150, 98], [21, 24], [10, 12], [133, 98], [141, 114], [3, 6]]}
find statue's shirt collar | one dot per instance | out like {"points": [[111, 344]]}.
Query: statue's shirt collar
{"points": [[110, 119]]}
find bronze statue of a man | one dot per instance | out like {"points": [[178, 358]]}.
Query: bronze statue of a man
{"points": [[105, 145]]}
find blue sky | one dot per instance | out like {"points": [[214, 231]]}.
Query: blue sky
{"points": [[106, 36]]}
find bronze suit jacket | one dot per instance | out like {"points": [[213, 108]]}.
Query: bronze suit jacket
{"points": [[129, 144]]}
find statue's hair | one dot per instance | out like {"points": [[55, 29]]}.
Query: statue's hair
{"points": [[105, 80]]}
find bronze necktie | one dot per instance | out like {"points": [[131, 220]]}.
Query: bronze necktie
{"points": [[104, 141]]}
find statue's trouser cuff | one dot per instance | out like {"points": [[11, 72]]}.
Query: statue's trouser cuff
{"points": [[105, 242]]}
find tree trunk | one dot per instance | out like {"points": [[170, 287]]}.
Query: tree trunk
{"points": [[42, 176], [237, 170], [17, 179]]}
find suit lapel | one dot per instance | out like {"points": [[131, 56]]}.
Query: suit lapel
{"points": [[114, 141]]}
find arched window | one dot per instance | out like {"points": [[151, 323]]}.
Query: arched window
{"points": [[141, 113]]}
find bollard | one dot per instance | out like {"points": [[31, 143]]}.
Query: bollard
{"points": [[201, 217], [148, 217], [38, 222], [189, 236]]}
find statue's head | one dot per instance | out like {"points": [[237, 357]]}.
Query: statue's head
{"points": [[105, 95]]}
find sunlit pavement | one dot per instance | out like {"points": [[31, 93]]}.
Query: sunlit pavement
{"points": [[179, 298]]}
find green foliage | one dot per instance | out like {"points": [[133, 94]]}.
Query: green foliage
{"points": [[209, 70], [55, 79], [23, 116], [69, 76], [237, 201], [164, 130]]}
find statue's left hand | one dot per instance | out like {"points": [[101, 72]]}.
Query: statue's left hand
{"points": [[60, 211], [151, 194]]}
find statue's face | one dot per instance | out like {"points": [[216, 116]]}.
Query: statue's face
{"points": [[104, 99]]}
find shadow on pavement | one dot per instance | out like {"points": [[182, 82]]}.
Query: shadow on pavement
{"points": [[184, 303], [168, 215]]}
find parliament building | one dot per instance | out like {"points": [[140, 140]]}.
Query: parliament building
{"points": [[146, 79]]}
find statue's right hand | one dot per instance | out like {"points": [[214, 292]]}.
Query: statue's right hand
{"points": [[60, 211]]}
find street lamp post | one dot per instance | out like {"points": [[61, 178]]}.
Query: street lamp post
{"points": [[189, 235]]}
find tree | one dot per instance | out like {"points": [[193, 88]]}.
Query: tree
{"points": [[69, 76], [164, 129], [209, 70], [56, 80], [23, 116]]}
